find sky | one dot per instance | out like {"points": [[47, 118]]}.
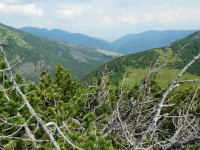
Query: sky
{"points": [[107, 19]]}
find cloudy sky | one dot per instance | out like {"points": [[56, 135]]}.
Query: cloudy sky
{"points": [[107, 19]]}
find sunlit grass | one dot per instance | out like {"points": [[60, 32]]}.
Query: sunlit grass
{"points": [[163, 78]]}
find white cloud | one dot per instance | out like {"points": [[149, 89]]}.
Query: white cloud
{"points": [[135, 17], [148, 17], [10, 1], [109, 17], [106, 21], [22, 10], [72, 10], [13, 2], [128, 18], [160, 14], [173, 15]]}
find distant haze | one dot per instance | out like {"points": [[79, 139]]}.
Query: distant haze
{"points": [[108, 19], [129, 43]]}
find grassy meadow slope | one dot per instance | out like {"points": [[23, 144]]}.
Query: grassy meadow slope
{"points": [[134, 66], [44, 54]]}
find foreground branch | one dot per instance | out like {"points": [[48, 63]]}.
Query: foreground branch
{"points": [[157, 115], [31, 110]]}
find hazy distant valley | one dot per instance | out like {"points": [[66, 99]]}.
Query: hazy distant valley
{"points": [[43, 49], [41, 54], [130, 43]]}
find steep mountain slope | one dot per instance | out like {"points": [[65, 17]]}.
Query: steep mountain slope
{"points": [[43, 54], [147, 40], [178, 55], [130, 43], [64, 36]]}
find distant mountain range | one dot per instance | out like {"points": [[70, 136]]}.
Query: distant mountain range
{"points": [[44, 54], [67, 37], [147, 40], [135, 65], [127, 44]]}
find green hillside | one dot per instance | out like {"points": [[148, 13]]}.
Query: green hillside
{"points": [[178, 54], [59, 113], [44, 54]]}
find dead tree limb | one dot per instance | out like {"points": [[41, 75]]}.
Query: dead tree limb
{"points": [[31, 110], [157, 115]]}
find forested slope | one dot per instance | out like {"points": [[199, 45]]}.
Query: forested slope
{"points": [[178, 54], [43, 54]]}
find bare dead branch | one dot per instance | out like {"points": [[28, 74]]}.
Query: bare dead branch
{"points": [[61, 133], [33, 113]]}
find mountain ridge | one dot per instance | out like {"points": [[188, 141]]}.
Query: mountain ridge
{"points": [[150, 39], [130, 43], [61, 35], [43, 54]]}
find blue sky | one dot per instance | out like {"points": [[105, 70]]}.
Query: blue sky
{"points": [[108, 19]]}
